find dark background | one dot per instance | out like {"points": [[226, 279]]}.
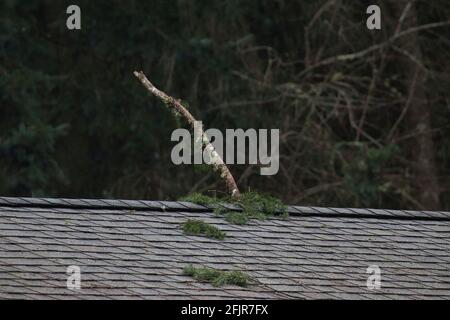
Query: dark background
{"points": [[371, 130]]}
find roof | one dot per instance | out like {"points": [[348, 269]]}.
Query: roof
{"points": [[137, 250]]}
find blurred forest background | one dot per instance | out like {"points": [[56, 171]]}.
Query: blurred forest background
{"points": [[363, 114]]}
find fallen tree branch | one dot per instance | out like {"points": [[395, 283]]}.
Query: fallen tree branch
{"points": [[175, 106]]}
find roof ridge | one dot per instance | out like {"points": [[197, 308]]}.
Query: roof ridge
{"points": [[189, 206]]}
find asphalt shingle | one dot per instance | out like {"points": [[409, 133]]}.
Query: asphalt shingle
{"points": [[136, 250]]}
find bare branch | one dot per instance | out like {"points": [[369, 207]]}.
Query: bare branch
{"points": [[403, 16], [175, 106], [363, 53]]}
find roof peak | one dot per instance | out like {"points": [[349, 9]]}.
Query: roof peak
{"points": [[189, 206]]}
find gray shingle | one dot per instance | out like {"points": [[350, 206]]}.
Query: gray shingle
{"points": [[136, 249]]}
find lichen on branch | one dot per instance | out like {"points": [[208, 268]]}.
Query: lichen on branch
{"points": [[178, 109]]}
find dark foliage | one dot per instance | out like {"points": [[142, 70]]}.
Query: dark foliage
{"points": [[74, 122]]}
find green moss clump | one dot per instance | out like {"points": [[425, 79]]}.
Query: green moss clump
{"points": [[236, 217], [198, 227], [260, 206], [218, 278], [201, 199], [253, 205]]}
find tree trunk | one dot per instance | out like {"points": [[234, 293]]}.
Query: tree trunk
{"points": [[418, 116]]}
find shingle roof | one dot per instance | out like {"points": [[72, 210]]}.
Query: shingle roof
{"points": [[136, 250]]}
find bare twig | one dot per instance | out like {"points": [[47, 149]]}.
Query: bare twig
{"points": [[316, 16], [175, 106], [405, 109], [363, 53], [403, 16]]}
